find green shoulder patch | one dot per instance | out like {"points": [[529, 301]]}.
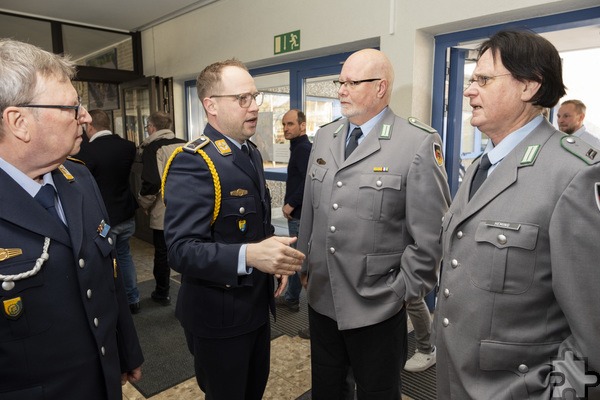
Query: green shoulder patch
{"points": [[415, 122], [580, 149]]}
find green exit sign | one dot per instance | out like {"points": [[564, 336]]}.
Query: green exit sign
{"points": [[287, 42]]}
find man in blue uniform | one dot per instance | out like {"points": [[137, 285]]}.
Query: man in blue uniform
{"points": [[219, 237], [65, 331]]}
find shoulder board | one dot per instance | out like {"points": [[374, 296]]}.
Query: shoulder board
{"points": [[195, 145], [580, 149], [75, 160], [335, 120], [415, 122]]}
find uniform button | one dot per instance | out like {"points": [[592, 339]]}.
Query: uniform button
{"points": [[228, 286], [332, 250], [523, 368], [379, 183], [110, 241], [96, 322], [89, 293], [502, 239], [335, 206], [442, 219], [8, 285], [242, 210], [332, 229], [445, 322], [81, 263], [459, 234], [454, 263], [339, 184], [570, 140], [446, 292], [102, 350]]}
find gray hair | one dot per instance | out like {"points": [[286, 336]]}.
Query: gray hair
{"points": [[21, 64]]}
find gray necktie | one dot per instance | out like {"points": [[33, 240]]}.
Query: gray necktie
{"points": [[353, 142], [480, 175]]}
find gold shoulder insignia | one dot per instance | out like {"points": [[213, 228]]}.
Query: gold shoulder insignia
{"points": [[68, 176], [75, 160], [415, 122], [196, 144], [580, 149], [222, 147]]}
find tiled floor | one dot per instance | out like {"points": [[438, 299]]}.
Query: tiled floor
{"points": [[290, 356]]}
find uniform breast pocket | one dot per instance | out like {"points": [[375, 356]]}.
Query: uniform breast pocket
{"points": [[509, 251], [240, 219], [23, 305], [317, 174], [379, 196]]}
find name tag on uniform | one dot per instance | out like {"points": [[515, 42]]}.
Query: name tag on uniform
{"points": [[504, 225]]}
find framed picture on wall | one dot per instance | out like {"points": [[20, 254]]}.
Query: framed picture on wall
{"points": [[103, 96]]}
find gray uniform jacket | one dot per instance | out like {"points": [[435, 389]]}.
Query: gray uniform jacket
{"points": [[520, 281], [370, 224]]}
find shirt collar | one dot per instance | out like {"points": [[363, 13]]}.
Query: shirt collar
{"points": [[497, 153], [367, 126], [99, 134]]}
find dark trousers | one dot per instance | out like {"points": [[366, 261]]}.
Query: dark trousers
{"points": [[376, 354], [235, 368], [162, 272]]}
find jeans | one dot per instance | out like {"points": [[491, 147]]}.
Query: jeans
{"points": [[292, 293], [120, 235], [161, 272]]}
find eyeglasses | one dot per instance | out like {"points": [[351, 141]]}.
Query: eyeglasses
{"points": [[482, 80], [76, 108], [245, 99], [353, 84]]}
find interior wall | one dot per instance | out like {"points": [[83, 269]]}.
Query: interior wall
{"points": [[238, 28]]}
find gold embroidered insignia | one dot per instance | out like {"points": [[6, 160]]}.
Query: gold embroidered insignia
{"points": [[223, 147], [66, 173], [238, 192], [5, 254]]}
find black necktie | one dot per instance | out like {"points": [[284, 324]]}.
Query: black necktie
{"points": [[480, 175], [246, 150], [45, 197], [353, 142]]}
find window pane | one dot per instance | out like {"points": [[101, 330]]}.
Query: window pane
{"points": [[322, 103], [97, 48], [26, 30]]}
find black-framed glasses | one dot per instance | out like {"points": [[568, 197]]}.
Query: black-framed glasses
{"points": [[353, 84], [482, 80], [76, 108], [245, 99]]}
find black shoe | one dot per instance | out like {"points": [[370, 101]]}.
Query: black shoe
{"points": [[135, 308], [304, 333], [281, 301], [162, 300]]}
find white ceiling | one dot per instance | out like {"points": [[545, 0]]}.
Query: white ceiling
{"points": [[123, 15]]}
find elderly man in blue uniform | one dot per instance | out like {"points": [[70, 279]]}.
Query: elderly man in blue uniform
{"points": [[374, 197], [518, 314], [219, 235], [66, 331]]}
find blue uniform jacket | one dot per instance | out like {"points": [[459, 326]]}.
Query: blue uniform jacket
{"points": [[65, 332], [213, 301]]}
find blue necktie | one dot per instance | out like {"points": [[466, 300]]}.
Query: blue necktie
{"points": [[45, 197]]}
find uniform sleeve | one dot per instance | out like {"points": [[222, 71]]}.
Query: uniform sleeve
{"points": [[190, 199], [427, 200], [575, 256]]}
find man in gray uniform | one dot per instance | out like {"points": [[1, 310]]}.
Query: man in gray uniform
{"points": [[370, 229], [518, 313]]}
